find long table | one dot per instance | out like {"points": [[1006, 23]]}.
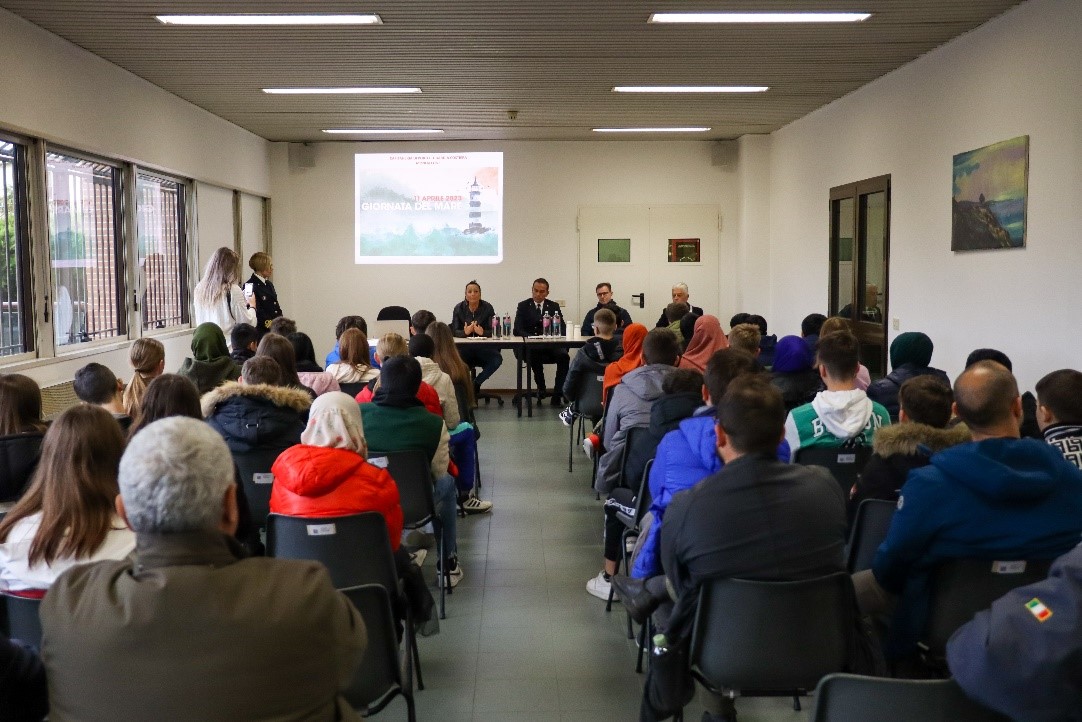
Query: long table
{"points": [[525, 346]]}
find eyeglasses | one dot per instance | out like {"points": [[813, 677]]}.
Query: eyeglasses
{"points": [[602, 294]]}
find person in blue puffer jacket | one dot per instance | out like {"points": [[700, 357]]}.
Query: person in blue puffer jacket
{"points": [[688, 454]]}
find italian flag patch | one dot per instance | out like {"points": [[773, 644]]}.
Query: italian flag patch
{"points": [[1038, 610]]}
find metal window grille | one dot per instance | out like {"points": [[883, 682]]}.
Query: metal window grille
{"points": [[15, 311], [83, 237], [162, 252]]}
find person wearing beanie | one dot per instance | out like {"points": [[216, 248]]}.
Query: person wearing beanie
{"points": [[910, 354], [794, 372]]}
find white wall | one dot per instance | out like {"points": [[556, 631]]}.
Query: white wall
{"points": [[57, 91], [545, 184], [1017, 75]]}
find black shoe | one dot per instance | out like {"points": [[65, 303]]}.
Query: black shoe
{"points": [[541, 394], [556, 400], [637, 599]]}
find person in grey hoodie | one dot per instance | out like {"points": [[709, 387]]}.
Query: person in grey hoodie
{"points": [[631, 403]]}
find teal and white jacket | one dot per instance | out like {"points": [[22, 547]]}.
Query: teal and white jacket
{"points": [[833, 418]]}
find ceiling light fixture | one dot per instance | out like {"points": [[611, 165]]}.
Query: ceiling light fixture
{"points": [[382, 131], [340, 91], [690, 89], [227, 19], [758, 17], [650, 130]]}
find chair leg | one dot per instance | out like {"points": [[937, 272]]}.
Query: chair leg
{"points": [[796, 703], [570, 446], [612, 592], [411, 709], [416, 660], [440, 575], [642, 645]]}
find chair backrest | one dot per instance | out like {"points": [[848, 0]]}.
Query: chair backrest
{"points": [[963, 587], [639, 447], [772, 635], [378, 678], [254, 469], [869, 530], [643, 498], [19, 456], [845, 463], [465, 410], [351, 388], [413, 475], [355, 548], [853, 698], [23, 621], [587, 399], [393, 313]]}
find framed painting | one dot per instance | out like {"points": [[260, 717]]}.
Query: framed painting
{"points": [[988, 207]]}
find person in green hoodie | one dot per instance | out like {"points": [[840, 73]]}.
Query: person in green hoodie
{"points": [[210, 364]]}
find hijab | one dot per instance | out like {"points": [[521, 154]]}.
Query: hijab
{"points": [[708, 338], [792, 354], [210, 363], [208, 343], [334, 422], [631, 360], [913, 348]]}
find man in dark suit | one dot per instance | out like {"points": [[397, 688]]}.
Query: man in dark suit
{"points": [[528, 317], [679, 295], [265, 297]]}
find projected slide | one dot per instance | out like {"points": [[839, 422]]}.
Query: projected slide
{"points": [[429, 207]]}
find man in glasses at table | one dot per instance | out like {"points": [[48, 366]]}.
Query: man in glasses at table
{"points": [[604, 300]]}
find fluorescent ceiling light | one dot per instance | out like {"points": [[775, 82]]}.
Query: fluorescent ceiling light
{"points": [[758, 17], [282, 19], [690, 89], [383, 131], [339, 91], [650, 130]]}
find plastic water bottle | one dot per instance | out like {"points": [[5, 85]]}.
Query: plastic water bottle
{"points": [[546, 324], [557, 324], [661, 645], [507, 324], [495, 326]]}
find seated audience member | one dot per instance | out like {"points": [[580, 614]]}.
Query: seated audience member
{"points": [[389, 346], [687, 329], [281, 350], [738, 318], [529, 321], [243, 339], [147, 359], [121, 637], [745, 337], [98, 385], [422, 348], [605, 301], [24, 695], [309, 372], [843, 413], [282, 326], [996, 497], [767, 342], [354, 366], [629, 408], [922, 430], [680, 294], [1023, 657], [1059, 412], [419, 321], [20, 417], [716, 530], [66, 517], [472, 318], [210, 364], [1030, 428], [910, 354], [810, 327], [259, 413], [833, 325], [674, 314], [794, 372], [709, 337], [630, 360], [445, 355], [345, 322], [396, 421], [688, 454], [597, 353]]}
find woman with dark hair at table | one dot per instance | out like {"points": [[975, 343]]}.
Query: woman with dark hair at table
{"points": [[472, 318]]}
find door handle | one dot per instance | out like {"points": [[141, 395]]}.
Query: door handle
{"points": [[641, 297]]}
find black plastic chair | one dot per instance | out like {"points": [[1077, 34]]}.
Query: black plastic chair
{"points": [[413, 476], [870, 528], [393, 313], [19, 456], [962, 587], [845, 463], [585, 405], [254, 469], [771, 638], [636, 438], [379, 677], [355, 549], [481, 394], [352, 388], [466, 413], [854, 698], [21, 619]]}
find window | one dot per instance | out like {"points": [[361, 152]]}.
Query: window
{"points": [[161, 252], [16, 313], [84, 241]]}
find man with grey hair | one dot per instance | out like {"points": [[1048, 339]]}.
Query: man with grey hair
{"points": [[679, 295], [186, 629]]}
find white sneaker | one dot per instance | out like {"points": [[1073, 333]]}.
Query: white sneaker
{"points": [[599, 586], [588, 447], [418, 557], [473, 505], [454, 574], [567, 416]]}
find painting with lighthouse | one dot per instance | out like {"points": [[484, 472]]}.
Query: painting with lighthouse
{"points": [[429, 207]]}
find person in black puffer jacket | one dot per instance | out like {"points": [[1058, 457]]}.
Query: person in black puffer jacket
{"points": [[910, 354]]}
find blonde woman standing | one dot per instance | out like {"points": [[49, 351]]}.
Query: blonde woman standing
{"points": [[218, 295]]}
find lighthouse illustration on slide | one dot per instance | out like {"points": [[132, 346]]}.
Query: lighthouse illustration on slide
{"points": [[475, 210]]}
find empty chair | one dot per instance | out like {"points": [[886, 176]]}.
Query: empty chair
{"points": [[393, 313], [585, 405], [853, 698], [845, 463], [379, 676], [869, 530], [22, 621], [254, 468]]}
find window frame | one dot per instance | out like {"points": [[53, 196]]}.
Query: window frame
{"points": [[22, 198], [185, 225]]}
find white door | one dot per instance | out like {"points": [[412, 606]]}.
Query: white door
{"points": [[632, 247]]}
